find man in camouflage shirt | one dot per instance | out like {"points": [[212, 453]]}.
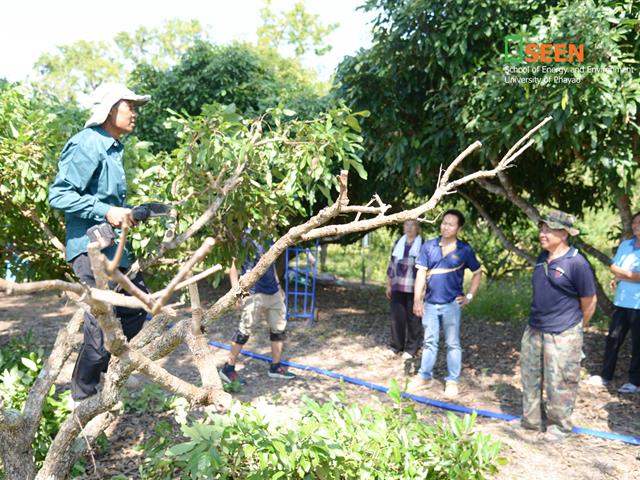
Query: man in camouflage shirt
{"points": [[564, 300]]}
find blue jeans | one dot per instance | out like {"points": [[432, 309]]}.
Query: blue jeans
{"points": [[449, 315]]}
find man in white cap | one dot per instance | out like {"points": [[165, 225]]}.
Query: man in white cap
{"points": [[90, 188]]}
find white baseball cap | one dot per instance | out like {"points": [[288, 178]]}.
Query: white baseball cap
{"points": [[106, 96]]}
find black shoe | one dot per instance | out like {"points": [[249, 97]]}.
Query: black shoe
{"points": [[228, 374], [278, 371]]}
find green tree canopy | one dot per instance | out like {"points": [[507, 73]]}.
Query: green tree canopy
{"points": [[231, 74], [33, 130], [434, 79], [295, 28], [81, 66]]}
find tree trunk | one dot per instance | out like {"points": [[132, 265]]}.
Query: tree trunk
{"points": [[16, 462], [624, 209]]}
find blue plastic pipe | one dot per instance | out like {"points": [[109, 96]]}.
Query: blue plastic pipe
{"points": [[427, 401]]}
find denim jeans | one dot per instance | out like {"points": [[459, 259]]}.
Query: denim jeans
{"points": [[449, 315]]}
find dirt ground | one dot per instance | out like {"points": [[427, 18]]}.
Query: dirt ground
{"points": [[349, 337]]}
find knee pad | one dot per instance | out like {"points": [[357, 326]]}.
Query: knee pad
{"points": [[277, 336], [240, 338]]}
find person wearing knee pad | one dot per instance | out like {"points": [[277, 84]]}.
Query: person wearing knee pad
{"points": [[266, 298]]}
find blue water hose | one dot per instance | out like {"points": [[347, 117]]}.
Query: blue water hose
{"points": [[424, 400]]}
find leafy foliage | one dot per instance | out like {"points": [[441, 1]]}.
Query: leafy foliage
{"points": [[252, 80], [33, 129], [445, 88], [148, 399], [334, 440], [290, 169], [20, 363]]}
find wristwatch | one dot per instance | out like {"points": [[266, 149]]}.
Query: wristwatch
{"points": [[469, 296]]}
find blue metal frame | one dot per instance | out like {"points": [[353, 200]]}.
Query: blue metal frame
{"points": [[304, 284]]}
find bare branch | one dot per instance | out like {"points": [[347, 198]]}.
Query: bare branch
{"points": [[593, 251], [195, 395], [62, 348], [525, 137], [92, 430], [12, 288], [444, 179], [197, 257], [196, 278], [85, 293], [126, 283], [366, 210], [114, 339], [205, 218], [196, 309], [205, 362], [55, 241]]}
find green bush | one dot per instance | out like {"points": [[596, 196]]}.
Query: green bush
{"points": [[20, 363], [334, 440]]}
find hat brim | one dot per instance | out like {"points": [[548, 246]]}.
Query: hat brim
{"points": [[100, 112], [558, 226], [137, 99]]}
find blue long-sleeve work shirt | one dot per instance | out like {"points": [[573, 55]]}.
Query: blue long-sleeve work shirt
{"points": [[90, 180]]}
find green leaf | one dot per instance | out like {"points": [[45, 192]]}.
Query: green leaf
{"points": [[181, 449], [353, 123], [14, 132], [30, 364], [565, 99], [359, 168]]}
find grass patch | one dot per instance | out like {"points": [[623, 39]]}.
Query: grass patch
{"points": [[504, 300], [346, 261]]}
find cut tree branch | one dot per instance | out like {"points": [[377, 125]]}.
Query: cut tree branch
{"points": [[154, 341], [62, 348]]}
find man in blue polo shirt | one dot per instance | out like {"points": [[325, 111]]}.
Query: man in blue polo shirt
{"points": [[564, 300], [441, 267], [626, 269]]}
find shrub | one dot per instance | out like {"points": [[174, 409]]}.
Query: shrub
{"points": [[150, 398], [334, 440]]}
